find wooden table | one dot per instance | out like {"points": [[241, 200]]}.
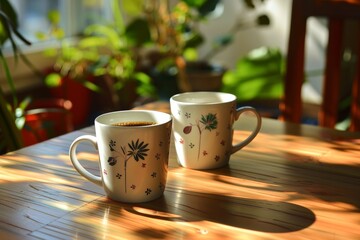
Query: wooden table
{"points": [[291, 182]]}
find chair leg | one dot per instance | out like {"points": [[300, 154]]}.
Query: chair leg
{"points": [[329, 109], [355, 105], [291, 104]]}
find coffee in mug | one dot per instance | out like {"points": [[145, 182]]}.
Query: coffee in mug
{"points": [[133, 148], [132, 124]]}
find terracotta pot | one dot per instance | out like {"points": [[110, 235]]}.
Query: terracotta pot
{"points": [[111, 99], [45, 119], [204, 76], [80, 97]]}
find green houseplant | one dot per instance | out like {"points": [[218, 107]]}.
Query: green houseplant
{"points": [[176, 31], [9, 110], [109, 52], [23, 122]]}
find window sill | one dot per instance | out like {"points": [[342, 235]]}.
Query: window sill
{"points": [[24, 77]]}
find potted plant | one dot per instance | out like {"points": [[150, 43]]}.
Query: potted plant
{"points": [[19, 117], [68, 78], [108, 53], [176, 31], [10, 134]]}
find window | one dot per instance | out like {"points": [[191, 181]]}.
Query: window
{"points": [[75, 15], [32, 17]]}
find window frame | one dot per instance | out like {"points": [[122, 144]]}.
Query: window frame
{"points": [[23, 76]]}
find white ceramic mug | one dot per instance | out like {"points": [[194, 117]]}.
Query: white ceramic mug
{"points": [[133, 156], [203, 128]]}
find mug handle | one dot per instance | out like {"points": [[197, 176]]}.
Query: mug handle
{"points": [[77, 165], [245, 142]]}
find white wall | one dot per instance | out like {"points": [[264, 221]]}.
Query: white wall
{"points": [[275, 36]]}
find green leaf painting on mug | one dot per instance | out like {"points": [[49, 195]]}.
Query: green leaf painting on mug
{"points": [[138, 151], [208, 122]]}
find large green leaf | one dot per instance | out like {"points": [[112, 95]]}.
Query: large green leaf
{"points": [[10, 137], [195, 3], [203, 7], [108, 32], [144, 85], [8, 11], [195, 40], [54, 17], [208, 7], [93, 41], [53, 80], [138, 31], [133, 7], [259, 75]]}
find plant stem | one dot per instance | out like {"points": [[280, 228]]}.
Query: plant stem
{"points": [[118, 18], [10, 134], [183, 80], [9, 79]]}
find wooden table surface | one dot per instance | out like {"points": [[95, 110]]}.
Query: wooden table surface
{"points": [[291, 182]]}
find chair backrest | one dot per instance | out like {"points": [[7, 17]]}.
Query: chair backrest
{"points": [[337, 12]]}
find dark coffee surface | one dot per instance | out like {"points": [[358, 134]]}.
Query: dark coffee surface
{"points": [[134, 124]]}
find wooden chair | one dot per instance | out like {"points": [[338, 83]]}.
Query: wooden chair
{"points": [[336, 11]]}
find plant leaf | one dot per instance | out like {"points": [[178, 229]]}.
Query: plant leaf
{"points": [[53, 80]]}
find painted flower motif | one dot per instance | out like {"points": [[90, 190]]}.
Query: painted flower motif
{"points": [[112, 144], [187, 129], [112, 161], [148, 191], [138, 150], [209, 121]]}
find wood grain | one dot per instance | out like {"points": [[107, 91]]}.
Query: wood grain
{"points": [[292, 182]]}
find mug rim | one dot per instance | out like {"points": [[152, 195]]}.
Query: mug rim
{"points": [[178, 98], [166, 118]]}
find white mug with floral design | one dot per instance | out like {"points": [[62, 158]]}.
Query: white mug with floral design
{"points": [[203, 128], [133, 148]]}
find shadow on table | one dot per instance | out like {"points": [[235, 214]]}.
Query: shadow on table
{"points": [[288, 171], [252, 214]]}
